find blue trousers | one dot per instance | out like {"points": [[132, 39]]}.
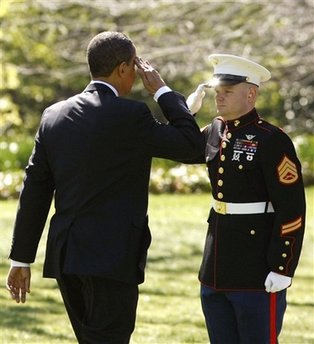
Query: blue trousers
{"points": [[243, 317]]}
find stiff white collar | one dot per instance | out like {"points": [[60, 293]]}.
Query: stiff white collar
{"points": [[106, 83]]}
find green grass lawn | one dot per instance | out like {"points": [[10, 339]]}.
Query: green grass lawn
{"points": [[169, 309]]}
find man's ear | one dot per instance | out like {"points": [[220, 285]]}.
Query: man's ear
{"points": [[252, 93], [121, 69]]}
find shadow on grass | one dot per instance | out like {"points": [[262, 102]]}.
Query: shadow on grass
{"points": [[27, 318], [36, 317], [175, 321], [301, 304], [176, 262]]}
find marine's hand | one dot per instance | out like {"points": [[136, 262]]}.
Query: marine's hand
{"points": [[275, 282], [149, 75], [18, 283], [195, 99]]}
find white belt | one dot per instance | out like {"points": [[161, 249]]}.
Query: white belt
{"points": [[242, 208]]}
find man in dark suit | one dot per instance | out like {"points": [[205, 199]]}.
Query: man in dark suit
{"points": [[257, 220], [93, 153]]}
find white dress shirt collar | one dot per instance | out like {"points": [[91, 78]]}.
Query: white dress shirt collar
{"points": [[106, 83]]}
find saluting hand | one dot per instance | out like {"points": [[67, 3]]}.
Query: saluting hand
{"points": [[149, 75], [195, 99], [18, 283]]}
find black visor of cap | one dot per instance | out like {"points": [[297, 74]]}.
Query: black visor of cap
{"points": [[229, 79]]}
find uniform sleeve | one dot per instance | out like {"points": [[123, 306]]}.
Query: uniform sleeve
{"points": [[283, 177]]}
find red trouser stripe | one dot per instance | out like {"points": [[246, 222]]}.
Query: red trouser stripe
{"points": [[272, 317]]}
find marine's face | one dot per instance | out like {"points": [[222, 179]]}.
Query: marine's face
{"points": [[233, 101]]}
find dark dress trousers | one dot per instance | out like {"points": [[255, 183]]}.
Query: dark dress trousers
{"points": [[93, 154]]}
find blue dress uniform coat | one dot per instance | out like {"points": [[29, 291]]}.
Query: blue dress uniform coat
{"points": [[93, 153], [252, 162]]}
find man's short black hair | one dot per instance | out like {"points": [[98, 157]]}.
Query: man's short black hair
{"points": [[106, 51]]}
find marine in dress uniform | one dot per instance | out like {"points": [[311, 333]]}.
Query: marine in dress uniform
{"points": [[256, 223]]}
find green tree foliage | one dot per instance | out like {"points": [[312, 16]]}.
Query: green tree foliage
{"points": [[43, 46]]}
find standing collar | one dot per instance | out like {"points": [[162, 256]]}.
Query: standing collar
{"points": [[108, 85], [249, 117]]}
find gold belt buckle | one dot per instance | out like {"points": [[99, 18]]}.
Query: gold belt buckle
{"points": [[221, 207]]}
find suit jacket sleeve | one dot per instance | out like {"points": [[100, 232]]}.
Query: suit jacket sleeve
{"points": [[283, 177], [179, 139], [34, 204]]}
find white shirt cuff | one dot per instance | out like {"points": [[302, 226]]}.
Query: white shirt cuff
{"points": [[16, 264], [161, 91]]}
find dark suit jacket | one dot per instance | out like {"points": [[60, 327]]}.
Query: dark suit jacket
{"points": [[93, 153]]}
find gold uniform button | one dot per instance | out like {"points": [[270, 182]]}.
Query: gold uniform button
{"points": [[240, 167], [221, 170], [224, 144], [236, 123], [223, 158], [287, 243], [281, 268], [220, 182], [252, 232], [284, 255], [229, 135], [220, 195]]}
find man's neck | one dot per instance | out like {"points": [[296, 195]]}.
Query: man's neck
{"points": [[107, 83], [232, 117]]}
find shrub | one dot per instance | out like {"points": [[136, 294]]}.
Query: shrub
{"points": [[14, 153], [166, 176], [305, 147], [10, 184], [179, 179]]}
